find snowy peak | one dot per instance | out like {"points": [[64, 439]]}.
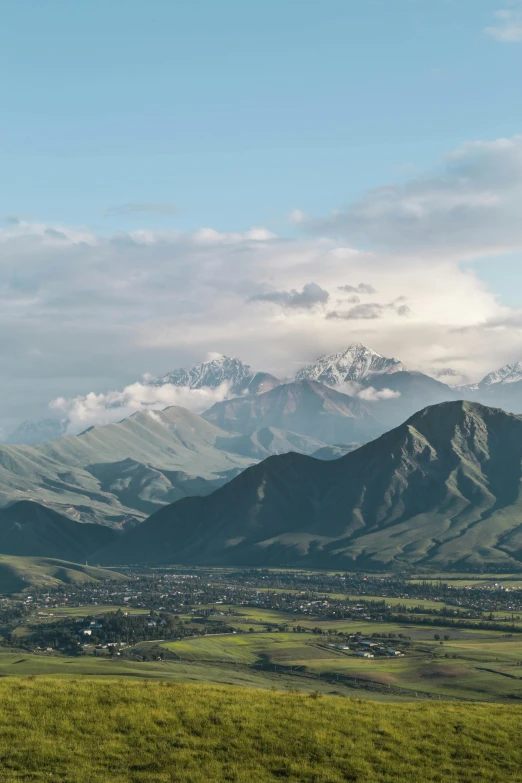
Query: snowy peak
{"points": [[219, 370], [356, 363], [510, 373]]}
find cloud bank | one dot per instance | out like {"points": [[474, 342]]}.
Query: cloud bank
{"points": [[94, 409], [83, 312]]}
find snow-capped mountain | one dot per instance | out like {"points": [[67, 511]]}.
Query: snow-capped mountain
{"points": [[510, 373], [356, 363], [221, 369]]}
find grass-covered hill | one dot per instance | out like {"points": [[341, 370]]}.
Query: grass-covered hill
{"points": [[130, 469], [72, 731], [443, 489], [22, 573]]}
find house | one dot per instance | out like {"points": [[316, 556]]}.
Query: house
{"points": [[365, 654], [367, 644], [87, 631], [394, 652]]}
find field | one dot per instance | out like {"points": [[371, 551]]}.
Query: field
{"points": [[473, 665], [145, 732]]}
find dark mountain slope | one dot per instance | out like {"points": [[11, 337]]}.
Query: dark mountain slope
{"points": [[304, 407], [30, 530], [441, 489]]}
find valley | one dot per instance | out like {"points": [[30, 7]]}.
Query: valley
{"points": [[379, 637]]}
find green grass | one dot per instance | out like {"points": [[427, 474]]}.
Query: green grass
{"points": [[95, 732], [243, 648], [18, 574]]}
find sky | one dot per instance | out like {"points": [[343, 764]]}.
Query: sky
{"points": [[183, 178]]}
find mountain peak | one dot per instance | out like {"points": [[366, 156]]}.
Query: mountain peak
{"points": [[509, 373], [219, 369], [354, 363]]}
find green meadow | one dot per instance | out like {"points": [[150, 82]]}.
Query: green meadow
{"points": [[86, 731]]}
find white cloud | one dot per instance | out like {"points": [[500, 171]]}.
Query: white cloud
{"points": [[297, 217], [470, 205], [81, 311], [99, 409], [509, 26], [372, 395], [311, 296]]}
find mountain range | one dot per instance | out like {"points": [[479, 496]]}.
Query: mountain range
{"points": [[389, 391], [121, 473], [441, 490]]}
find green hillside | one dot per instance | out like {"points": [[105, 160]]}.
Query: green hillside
{"points": [[441, 490], [85, 731], [22, 573], [124, 472]]}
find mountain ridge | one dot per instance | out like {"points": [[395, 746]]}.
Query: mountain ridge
{"points": [[440, 490]]}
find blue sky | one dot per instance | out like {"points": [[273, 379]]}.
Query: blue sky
{"points": [[238, 112], [123, 122]]}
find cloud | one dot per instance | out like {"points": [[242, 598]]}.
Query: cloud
{"points": [[139, 210], [93, 409], [373, 395], [371, 310], [311, 296], [470, 205], [297, 217], [363, 311], [84, 311], [362, 288], [509, 26]]}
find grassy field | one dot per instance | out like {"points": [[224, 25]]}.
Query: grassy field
{"points": [[472, 665], [95, 732], [19, 574]]}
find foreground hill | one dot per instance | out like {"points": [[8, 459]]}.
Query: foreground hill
{"points": [[443, 489], [305, 407], [23, 573], [77, 730]]}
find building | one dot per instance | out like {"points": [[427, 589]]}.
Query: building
{"points": [[364, 654]]}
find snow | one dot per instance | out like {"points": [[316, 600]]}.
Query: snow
{"points": [[353, 364]]}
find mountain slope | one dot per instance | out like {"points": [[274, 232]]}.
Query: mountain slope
{"points": [[30, 530], [307, 408], [335, 451], [502, 388], [395, 397], [443, 489], [26, 573], [353, 364], [122, 473]]}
